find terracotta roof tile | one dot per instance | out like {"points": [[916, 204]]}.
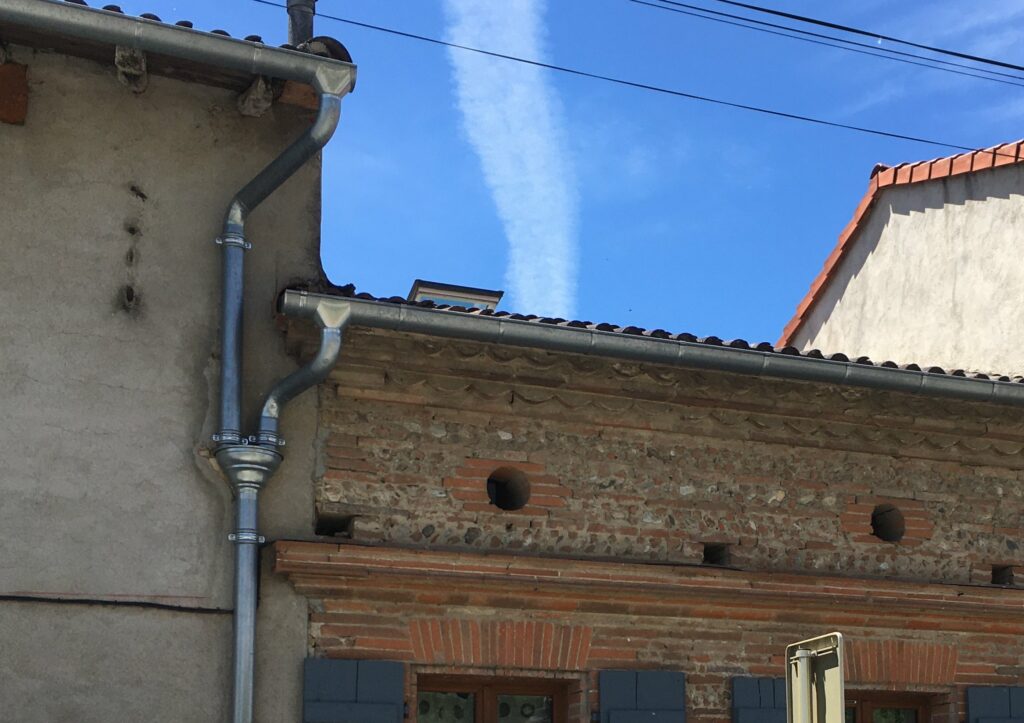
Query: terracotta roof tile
{"points": [[882, 177]]}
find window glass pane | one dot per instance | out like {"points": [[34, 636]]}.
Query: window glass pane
{"points": [[894, 715], [446, 708], [524, 709], [851, 715]]}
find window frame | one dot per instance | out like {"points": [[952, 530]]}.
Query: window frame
{"points": [[865, 703], [486, 690]]}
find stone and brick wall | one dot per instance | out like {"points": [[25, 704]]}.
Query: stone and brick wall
{"points": [[637, 475], [643, 463]]}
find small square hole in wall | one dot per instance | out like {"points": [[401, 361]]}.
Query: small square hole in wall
{"points": [[716, 553], [1002, 574], [332, 524]]}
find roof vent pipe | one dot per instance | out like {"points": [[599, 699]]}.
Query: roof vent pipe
{"points": [[300, 21]]}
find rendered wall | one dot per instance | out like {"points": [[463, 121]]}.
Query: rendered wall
{"points": [[110, 203], [933, 278]]}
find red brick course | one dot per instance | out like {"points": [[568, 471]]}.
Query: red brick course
{"points": [[555, 617]]}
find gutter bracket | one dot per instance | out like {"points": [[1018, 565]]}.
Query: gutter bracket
{"points": [[131, 68]]}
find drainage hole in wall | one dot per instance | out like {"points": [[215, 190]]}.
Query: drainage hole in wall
{"points": [[715, 553], [887, 523], [1002, 574], [333, 524], [508, 488]]}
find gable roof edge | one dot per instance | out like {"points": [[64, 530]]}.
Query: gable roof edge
{"points": [[883, 177]]}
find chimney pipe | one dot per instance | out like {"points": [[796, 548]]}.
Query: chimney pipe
{"points": [[300, 21]]}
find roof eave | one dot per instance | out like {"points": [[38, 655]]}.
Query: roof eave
{"points": [[549, 335]]}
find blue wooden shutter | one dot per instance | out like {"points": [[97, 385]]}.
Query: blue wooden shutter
{"points": [[642, 696], [995, 704], [758, 700], [352, 691]]}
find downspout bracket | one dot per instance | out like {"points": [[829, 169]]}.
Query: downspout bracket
{"points": [[233, 241]]}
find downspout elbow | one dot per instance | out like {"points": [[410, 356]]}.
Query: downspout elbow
{"points": [[291, 160], [318, 368]]}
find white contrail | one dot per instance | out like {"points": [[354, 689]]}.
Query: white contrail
{"points": [[513, 120]]}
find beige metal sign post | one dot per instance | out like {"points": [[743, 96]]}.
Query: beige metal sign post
{"points": [[814, 680]]}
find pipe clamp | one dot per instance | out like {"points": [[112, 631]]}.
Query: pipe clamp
{"points": [[246, 538], [233, 241]]}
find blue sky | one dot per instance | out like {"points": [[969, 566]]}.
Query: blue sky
{"points": [[613, 204]]}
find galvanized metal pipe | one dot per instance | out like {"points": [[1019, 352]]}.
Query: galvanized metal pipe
{"points": [[247, 541], [652, 350], [300, 21], [232, 452], [234, 244], [247, 467]]}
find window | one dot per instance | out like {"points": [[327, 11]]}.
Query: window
{"points": [[885, 708], [445, 699]]}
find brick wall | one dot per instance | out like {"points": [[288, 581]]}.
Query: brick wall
{"points": [[499, 614], [643, 463]]}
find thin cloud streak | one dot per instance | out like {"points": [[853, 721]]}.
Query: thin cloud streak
{"points": [[513, 120]]}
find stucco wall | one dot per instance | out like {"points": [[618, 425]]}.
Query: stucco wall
{"points": [[933, 278], [106, 493]]}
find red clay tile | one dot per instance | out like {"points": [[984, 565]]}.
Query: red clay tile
{"points": [[942, 167], [1006, 154], [886, 177], [961, 164], [983, 159], [920, 171]]}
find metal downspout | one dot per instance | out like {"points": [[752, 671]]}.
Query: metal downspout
{"points": [[249, 462], [300, 21]]}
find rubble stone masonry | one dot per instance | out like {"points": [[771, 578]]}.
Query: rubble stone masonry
{"points": [[637, 475]]}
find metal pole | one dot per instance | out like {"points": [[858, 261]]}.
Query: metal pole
{"points": [[802, 694], [247, 540]]}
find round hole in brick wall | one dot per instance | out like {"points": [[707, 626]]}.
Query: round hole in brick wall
{"points": [[508, 488], [887, 523]]}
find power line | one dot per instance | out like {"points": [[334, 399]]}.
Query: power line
{"points": [[632, 83], [866, 33], [839, 43]]}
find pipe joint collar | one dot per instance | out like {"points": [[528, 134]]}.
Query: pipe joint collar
{"points": [[248, 465]]}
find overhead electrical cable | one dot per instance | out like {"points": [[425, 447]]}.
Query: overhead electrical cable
{"points": [[634, 84], [865, 33], [831, 41]]}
